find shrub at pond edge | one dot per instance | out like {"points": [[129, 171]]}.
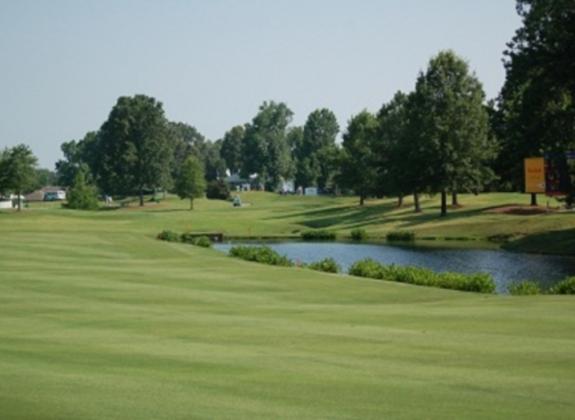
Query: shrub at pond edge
{"points": [[358, 234], [318, 235], [168, 235], [565, 287], [327, 265], [524, 288], [479, 282], [260, 254], [190, 238], [400, 235]]}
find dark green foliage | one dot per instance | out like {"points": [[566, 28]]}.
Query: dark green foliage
{"points": [[327, 264], [316, 151], [565, 287], [82, 196], [17, 171], [81, 155], [168, 235], [265, 148], [318, 235], [260, 254], [218, 190], [400, 235], [133, 148], [359, 234], [537, 102], [231, 150], [394, 155], [449, 126], [358, 159], [523, 288], [194, 239], [481, 283]]}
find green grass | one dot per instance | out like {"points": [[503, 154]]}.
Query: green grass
{"points": [[267, 214], [98, 319]]}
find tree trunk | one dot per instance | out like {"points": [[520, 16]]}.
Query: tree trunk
{"points": [[191, 203], [443, 203], [19, 200], [141, 197], [533, 199], [400, 200], [361, 199], [454, 200], [416, 204]]}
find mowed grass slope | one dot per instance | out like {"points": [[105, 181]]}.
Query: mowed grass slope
{"points": [[100, 320], [266, 214]]}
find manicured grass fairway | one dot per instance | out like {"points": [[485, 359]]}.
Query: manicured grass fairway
{"points": [[100, 320]]}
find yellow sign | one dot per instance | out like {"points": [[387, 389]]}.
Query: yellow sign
{"points": [[535, 175]]}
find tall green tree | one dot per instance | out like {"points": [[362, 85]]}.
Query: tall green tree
{"points": [[395, 156], [450, 124], [315, 154], [358, 168], [266, 150], [191, 182], [537, 101], [18, 171], [214, 164], [78, 155], [231, 149], [134, 149], [185, 140]]}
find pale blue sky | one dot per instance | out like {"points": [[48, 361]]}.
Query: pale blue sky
{"points": [[64, 63]]}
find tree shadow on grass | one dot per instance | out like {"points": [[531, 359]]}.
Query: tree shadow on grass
{"points": [[351, 215], [553, 242], [357, 216]]}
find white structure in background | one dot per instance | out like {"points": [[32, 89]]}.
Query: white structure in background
{"points": [[59, 195], [48, 193], [287, 186], [311, 191], [5, 204], [238, 183]]}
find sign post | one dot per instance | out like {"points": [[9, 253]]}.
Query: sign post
{"points": [[534, 177]]}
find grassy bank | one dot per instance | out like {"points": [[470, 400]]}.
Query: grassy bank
{"points": [[100, 320], [271, 215]]}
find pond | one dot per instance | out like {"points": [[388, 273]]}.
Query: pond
{"points": [[505, 267]]}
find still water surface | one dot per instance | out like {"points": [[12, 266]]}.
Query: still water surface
{"points": [[505, 267]]}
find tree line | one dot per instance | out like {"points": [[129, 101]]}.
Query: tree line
{"points": [[442, 138]]}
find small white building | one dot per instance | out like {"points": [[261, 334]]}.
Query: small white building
{"points": [[5, 204], [287, 186], [311, 191]]}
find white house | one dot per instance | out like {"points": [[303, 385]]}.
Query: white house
{"points": [[311, 191]]}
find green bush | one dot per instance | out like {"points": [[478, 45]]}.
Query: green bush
{"points": [[327, 264], [318, 235], [260, 254], [400, 235], [480, 282], [565, 287], [358, 234], [366, 268], [168, 235], [524, 288], [82, 196], [203, 241], [218, 190], [194, 239]]}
